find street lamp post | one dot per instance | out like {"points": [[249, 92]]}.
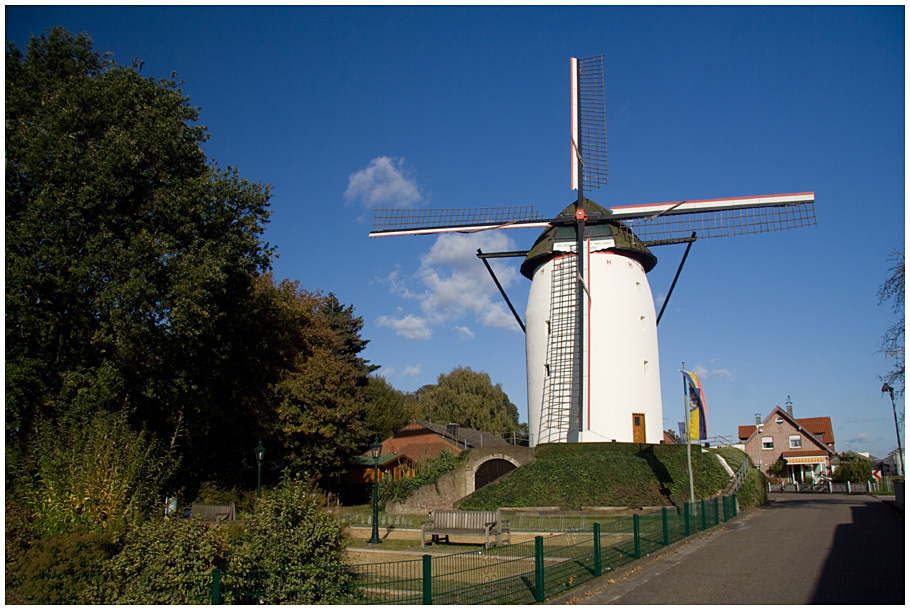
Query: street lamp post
{"points": [[375, 451], [260, 453], [900, 454]]}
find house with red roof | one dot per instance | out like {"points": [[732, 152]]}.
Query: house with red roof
{"points": [[805, 446]]}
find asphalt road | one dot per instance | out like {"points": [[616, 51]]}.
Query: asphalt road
{"points": [[800, 549]]}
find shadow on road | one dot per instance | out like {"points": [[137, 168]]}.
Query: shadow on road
{"points": [[866, 561]]}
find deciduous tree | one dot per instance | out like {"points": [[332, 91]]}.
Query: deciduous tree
{"points": [[129, 256], [469, 399], [385, 409], [314, 405]]}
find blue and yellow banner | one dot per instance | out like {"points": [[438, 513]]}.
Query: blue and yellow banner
{"points": [[698, 415]]}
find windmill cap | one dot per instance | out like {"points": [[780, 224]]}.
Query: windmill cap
{"points": [[599, 224]]}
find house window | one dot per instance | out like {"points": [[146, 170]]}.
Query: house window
{"points": [[779, 421], [795, 441], [767, 442]]}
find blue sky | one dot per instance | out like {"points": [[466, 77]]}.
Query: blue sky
{"points": [[343, 109]]}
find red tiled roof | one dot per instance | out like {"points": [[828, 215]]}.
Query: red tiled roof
{"points": [[819, 427], [745, 432]]}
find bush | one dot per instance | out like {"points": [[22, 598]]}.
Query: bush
{"points": [[165, 561], [854, 468], [428, 472], [94, 472], [65, 569], [290, 534]]}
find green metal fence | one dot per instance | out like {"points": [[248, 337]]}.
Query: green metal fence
{"points": [[522, 573]]}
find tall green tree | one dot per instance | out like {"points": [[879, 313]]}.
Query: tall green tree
{"points": [[347, 326], [129, 256], [312, 409], [385, 409], [469, 399]]}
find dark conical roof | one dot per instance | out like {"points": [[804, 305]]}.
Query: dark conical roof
{"points": [[599, 225]]}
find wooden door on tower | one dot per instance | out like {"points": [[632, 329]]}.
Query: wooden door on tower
{"points": [[638, 428]]}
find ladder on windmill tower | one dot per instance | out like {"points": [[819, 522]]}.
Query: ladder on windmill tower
{"points": [[561, 385]]}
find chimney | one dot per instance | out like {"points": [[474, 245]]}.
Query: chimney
{"points": [[757, 419], [452, 430], [789, 406]]}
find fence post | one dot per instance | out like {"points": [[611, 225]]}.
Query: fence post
{"points": [[636, 529], [598, 566], [427, 580], [716, 511], [216, 587], [538, 569], [666, 526], [686, 512], [848, 486]]}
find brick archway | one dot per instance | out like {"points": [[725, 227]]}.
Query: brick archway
{"points": [[513, 456]]}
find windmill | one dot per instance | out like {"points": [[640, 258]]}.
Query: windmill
{"points": [[590, 327]]}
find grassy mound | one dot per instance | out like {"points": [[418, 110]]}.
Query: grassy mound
{"points": [[602, 474], [753, 491]]}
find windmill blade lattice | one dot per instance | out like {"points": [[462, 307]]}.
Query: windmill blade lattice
{"points": [[676, 227], [442, 220], [593, 121]]}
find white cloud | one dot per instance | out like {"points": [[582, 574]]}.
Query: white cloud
{"points": [[464, 332], [457, 284], [384, 181], [411, 371], [451, 284], [704, 373], [386, 372], [409, 327]]}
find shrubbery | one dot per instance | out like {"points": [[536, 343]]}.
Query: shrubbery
{"points": [[291, 530], [170, 561], [63, 569], [853, 467], [428, 472], [165, 561], [93, 473]]}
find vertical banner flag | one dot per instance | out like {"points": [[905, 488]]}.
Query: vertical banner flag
{"points": [[698, 416]]}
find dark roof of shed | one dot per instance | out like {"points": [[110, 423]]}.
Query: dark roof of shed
{"points": [[474, 438]]}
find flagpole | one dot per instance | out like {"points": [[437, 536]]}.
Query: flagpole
{"points": [[688, 421]]}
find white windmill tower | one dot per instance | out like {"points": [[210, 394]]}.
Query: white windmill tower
{"points": [[591, 328]]}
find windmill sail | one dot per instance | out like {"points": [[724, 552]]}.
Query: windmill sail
{"points": [[654, 223], [589, 122], [668, 223]]}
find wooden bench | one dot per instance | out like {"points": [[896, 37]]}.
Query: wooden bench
{"points": [[465, 522], [216, 513]]}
